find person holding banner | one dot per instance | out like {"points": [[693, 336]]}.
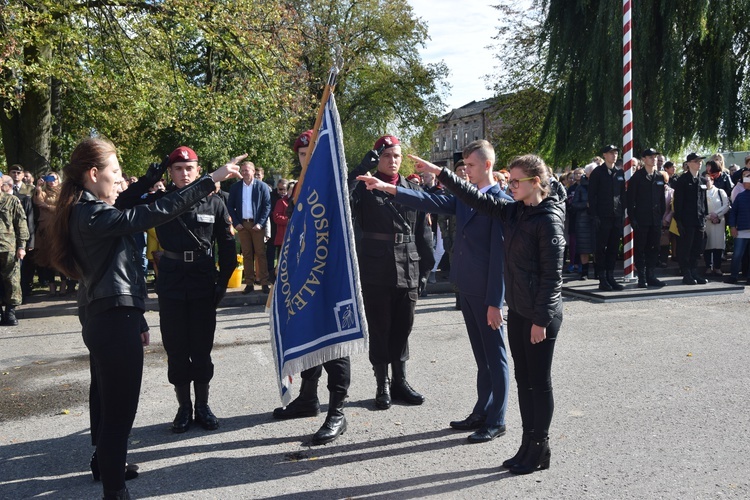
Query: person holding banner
{"points": [[395, 258], [534, 244], [477, 270], [339, 370], [90, 239]]}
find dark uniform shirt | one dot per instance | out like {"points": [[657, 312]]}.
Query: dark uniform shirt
{"points": [[646, 203], [194, 275], [607, 192], [395, 248], [690, 204]]}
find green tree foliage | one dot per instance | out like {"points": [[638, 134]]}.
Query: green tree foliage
{"points": [[690, 64], [383, 86], [220, 77]]}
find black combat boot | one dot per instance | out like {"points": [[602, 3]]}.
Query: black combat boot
{"points": [[604, 285], [652, 280], [383, 392], [203, 414], [335, 423], [306, 404], [610, 277], [10, 316], [642, 278], [184, 415], [400, 388]]}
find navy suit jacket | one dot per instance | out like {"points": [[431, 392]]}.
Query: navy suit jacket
{"points": [[478, 255], [261, 202]]}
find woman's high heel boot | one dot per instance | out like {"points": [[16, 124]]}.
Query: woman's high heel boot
{"points": [[525, 440], [537, 457]]}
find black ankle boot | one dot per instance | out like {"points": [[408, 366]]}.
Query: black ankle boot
{"points": [[131, 470], [335, 423], [122, 494], [400, 388], [383, 392], [537, 457], [697, 277], [306, 404], [184, 415], [203, 414], [516, 459], [604, 285], [688, 279]]}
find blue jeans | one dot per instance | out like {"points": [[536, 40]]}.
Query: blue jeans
{"points": [[740, 245]]}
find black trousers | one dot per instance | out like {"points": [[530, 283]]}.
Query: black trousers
{"points": [[339, 374], [607, 243], [533, 366], [187, 330], [390, 316], [646, 247], [113, 338], [689, 246]]}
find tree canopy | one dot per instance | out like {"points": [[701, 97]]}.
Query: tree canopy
{"points": [[690, 65], [220, 77]]}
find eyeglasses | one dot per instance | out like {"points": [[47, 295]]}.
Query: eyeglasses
{"points": [[515, 182]]}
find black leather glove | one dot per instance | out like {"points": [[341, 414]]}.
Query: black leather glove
{"points": [[219, 292], [369, 162], [156, 171], [422, 286]]}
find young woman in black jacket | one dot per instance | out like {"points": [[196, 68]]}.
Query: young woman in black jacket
{"points": [[92, 241], [534, 243]]}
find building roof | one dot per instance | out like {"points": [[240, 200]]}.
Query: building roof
{"points": [[470, 109]]}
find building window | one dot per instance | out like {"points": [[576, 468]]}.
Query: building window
{"points": [[455, 142], [466, 139], [437, 144], [445, 144]]}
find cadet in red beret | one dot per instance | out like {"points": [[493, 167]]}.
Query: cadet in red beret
{"points": [[395, 258], [339, 370], [189, 288]]}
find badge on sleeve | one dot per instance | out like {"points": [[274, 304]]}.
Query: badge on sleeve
{"points": [[206, 218]]}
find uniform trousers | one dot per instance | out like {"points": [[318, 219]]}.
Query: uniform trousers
{"points": [[10, 275], [390, 316], [113, 338], [646, 246], [254, 258], [187, 330], [533, 370], [689, 246], [339, 374], [608, 236], [491, 358]]}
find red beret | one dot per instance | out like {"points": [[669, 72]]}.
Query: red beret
{"points": [[183, 153], [303, 140], [388, 141], [414, 177]]}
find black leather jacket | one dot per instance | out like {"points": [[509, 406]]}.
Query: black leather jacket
{"points": [[104, 247], [534, 243]]}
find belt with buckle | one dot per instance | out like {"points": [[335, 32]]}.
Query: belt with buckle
{"points": [[186, 256], [393, 237]]}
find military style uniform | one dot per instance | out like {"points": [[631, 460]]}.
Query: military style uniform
{"points": [[646, 206], [395, 257], [690, 210], [14, 234], [607, 209], [189, 289]]}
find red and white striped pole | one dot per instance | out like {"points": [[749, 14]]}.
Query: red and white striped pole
{"points": [[627, 129]]}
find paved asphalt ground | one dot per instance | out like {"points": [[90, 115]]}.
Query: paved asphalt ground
{"points": [[651, 402]]}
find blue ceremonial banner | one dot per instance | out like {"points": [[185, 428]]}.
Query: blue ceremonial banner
{"points": [[316, 310]]}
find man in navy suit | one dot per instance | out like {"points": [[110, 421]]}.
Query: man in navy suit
{"points": [[477, 270], [250, 206]]}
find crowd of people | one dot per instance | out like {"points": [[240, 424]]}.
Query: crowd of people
{"points": [[502, 234]]}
